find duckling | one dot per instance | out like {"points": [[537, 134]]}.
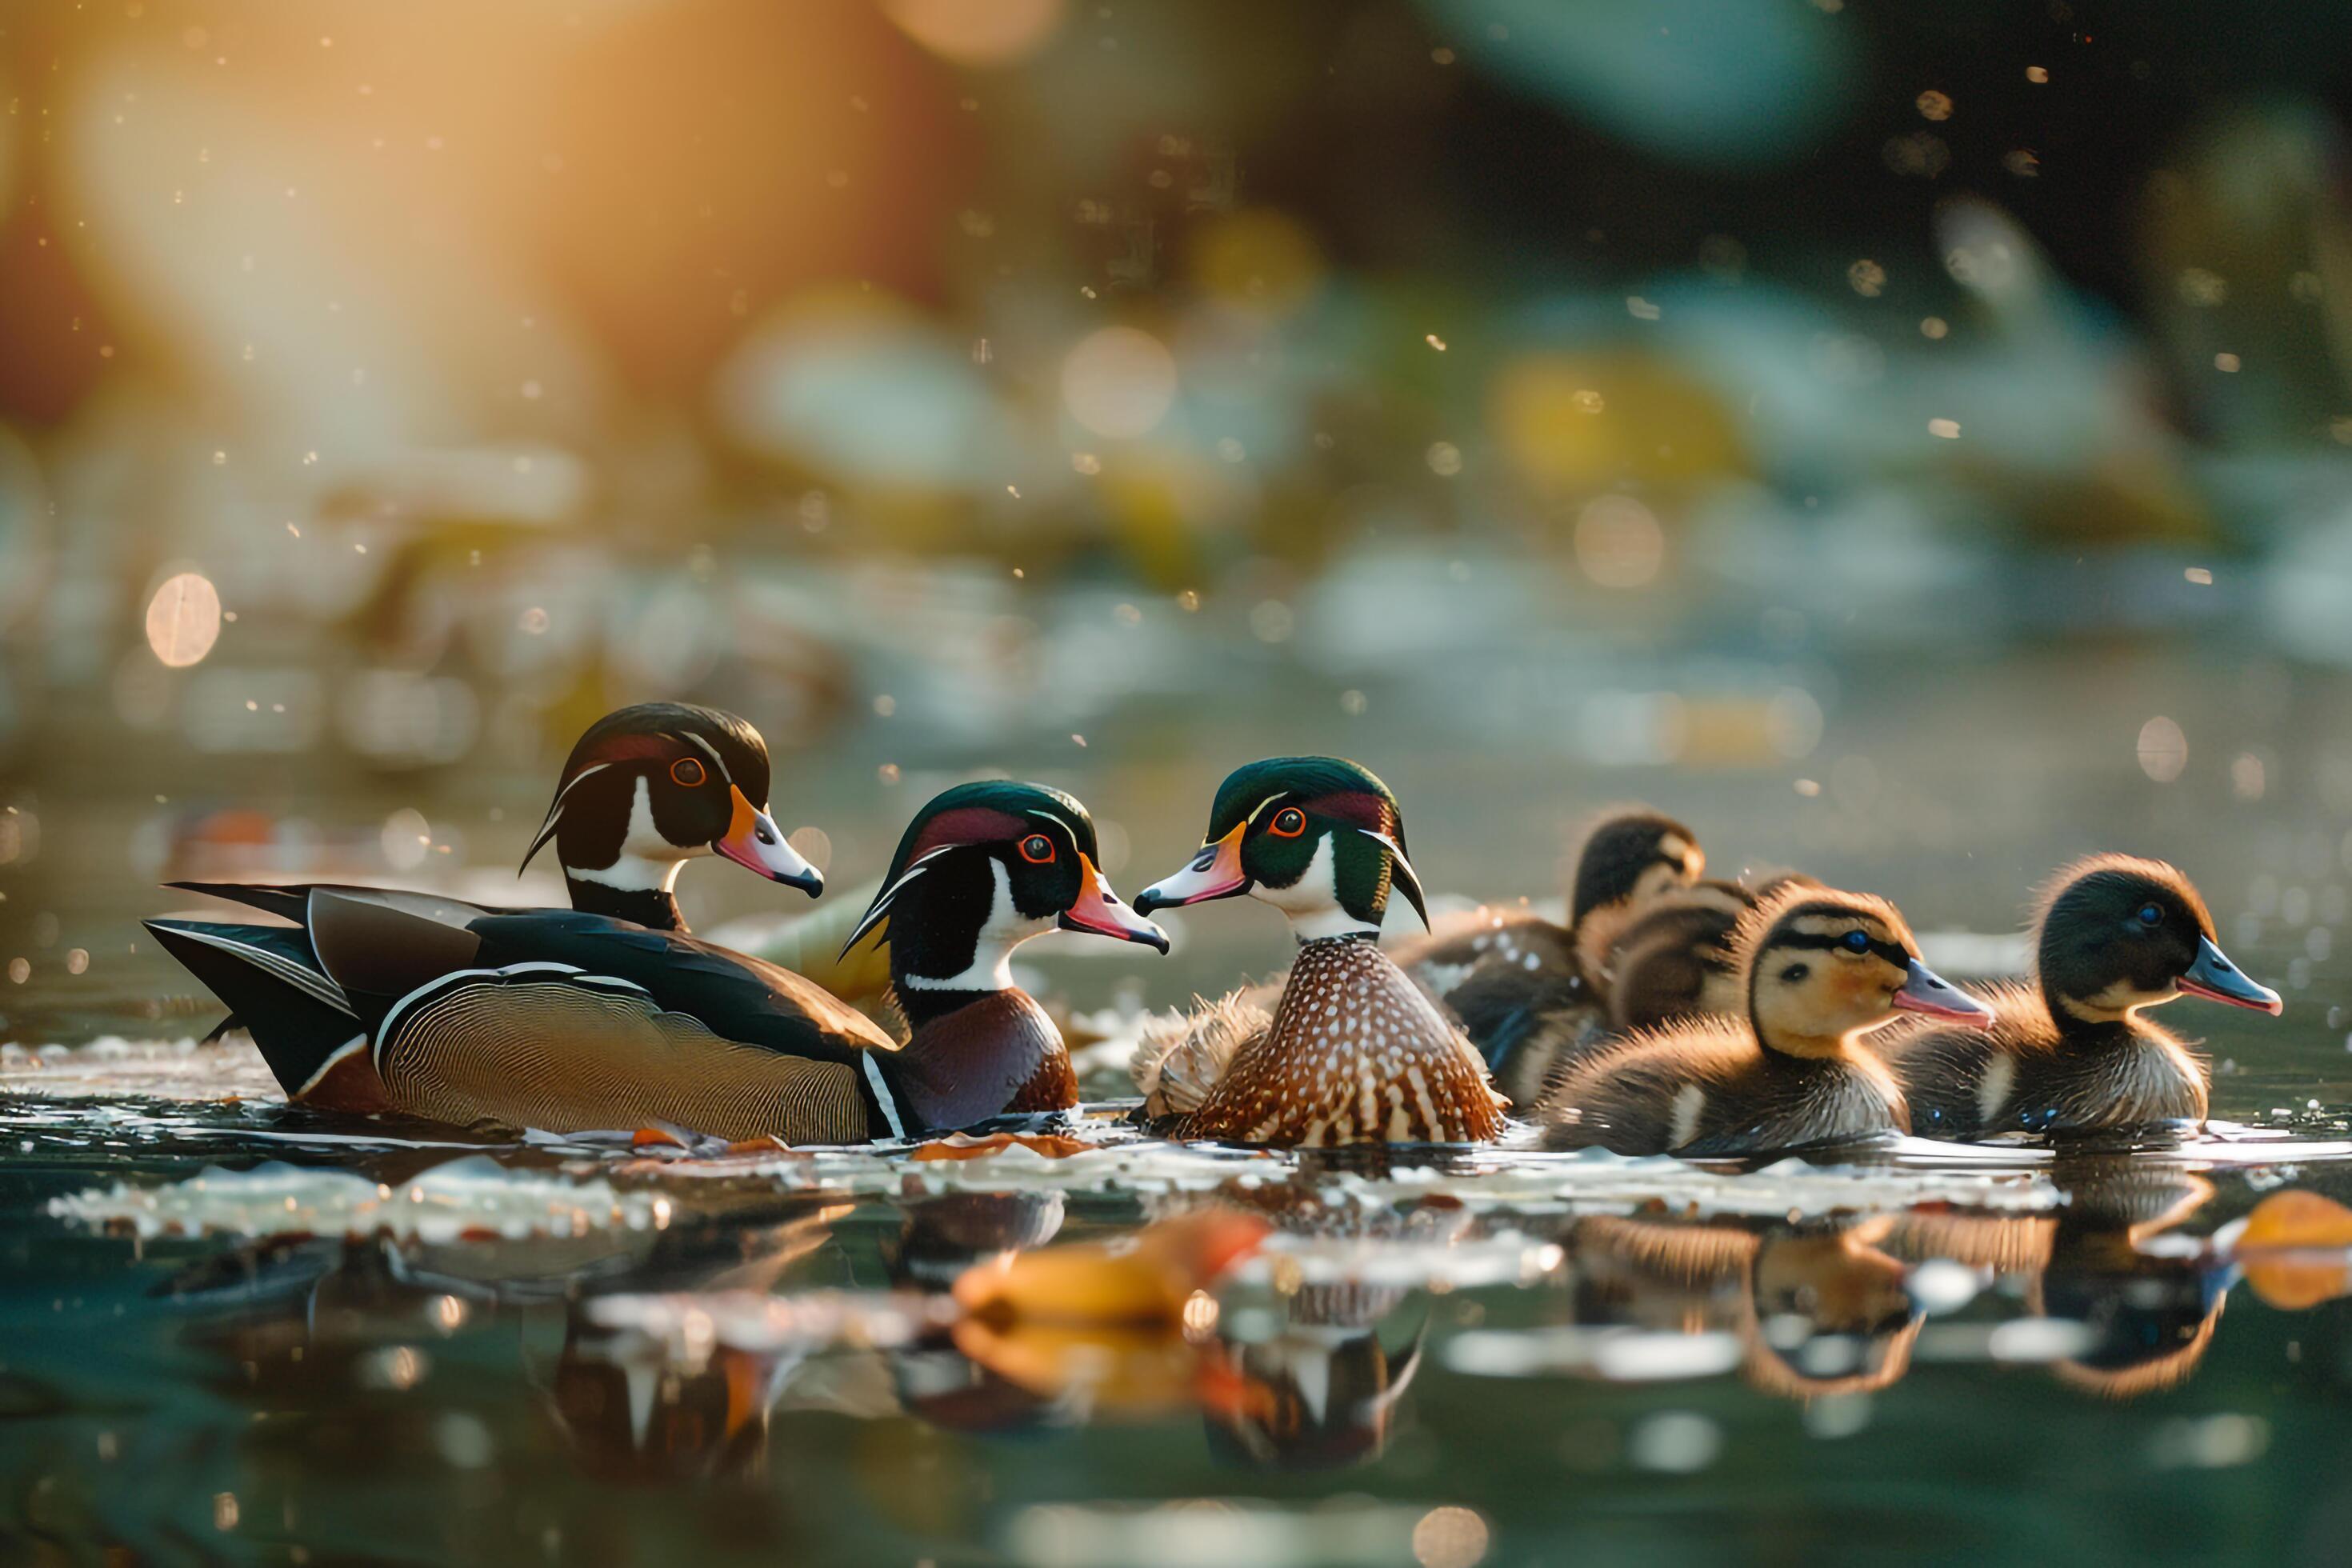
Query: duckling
{"points": [[1674, 959], [2073, 1050], [1354, 1052], [1819, 968], [1529, 991]]}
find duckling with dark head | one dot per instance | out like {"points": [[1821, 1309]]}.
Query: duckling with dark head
{"points": [[1820, 969], [1530, 993], [1354, 1052], [2073, 1049]]}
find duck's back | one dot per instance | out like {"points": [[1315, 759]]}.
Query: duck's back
{"points": [[2024, 1074], [1707, 1087]]}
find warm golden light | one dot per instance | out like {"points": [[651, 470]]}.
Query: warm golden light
{"points": [[976, 32]]}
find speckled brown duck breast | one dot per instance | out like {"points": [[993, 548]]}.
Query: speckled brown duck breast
{"points": [[1356, 1054]]}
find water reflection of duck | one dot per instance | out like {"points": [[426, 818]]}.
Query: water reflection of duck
{"points": [[2073, 1049], [1354, 1052], [2149, 1312], [1818, 1309], [1529, 992], [1819, 968], [566, 1020]]}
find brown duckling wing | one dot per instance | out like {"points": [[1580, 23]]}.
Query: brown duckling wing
{"points": [[1177, 1064], [1675, 961], [1960, 1081], [1644, 1094]]}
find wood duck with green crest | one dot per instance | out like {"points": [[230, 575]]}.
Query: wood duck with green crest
{"points": [[1354, 1052], [569, 1020]]}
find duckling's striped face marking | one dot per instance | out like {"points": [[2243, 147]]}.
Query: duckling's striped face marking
{"points": [[1826, 968], [2118, 934], [649, 787], [985, 867], [1319, 838]]}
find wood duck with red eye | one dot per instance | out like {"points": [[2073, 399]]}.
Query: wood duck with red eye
{"points": [[649, 788], [1820, 969], [567, 1020], [1354, 1051], [2073, 1049], [983, 868]]}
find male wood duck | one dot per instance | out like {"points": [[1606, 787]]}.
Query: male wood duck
{"points": [[1819, 968], [1354, 1052], [2073, 1049], [568, 1019], [1528, 992]]}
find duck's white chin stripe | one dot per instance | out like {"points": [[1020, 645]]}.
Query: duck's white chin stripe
{"points": [[631, 874]]}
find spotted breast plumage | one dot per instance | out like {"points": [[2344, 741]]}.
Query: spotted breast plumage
{"points": [[1355, 1053]]}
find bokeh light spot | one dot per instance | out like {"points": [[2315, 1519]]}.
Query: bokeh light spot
{"points": [[1450, 1537], [183, 619], [976, 32], [2163, 749], [1119, 382], [1619, 543]]}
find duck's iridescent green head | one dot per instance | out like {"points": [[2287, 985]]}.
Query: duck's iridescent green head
{"points": [[1320, 839]]}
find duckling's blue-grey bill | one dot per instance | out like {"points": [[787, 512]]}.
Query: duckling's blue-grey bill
{"points": [[2216, 979], [1100, 911], [1925, 991], [1215, 873], [753, 841]]}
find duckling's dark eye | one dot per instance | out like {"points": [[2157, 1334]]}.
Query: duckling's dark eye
{"points": [[1793, 974], [1857, 941], [1037, 849], [688, 771], [1288, 822], [2151, 915]]}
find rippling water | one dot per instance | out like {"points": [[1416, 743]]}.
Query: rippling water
{"points": [[242, 1332]]}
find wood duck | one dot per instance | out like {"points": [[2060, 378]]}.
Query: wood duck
{"points": [[1819, 969], [569, 1020], [1529, 992], [2073, 1049], [1354, 1052]]}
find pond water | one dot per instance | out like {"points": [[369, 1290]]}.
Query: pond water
{"points": [[242, 1332]]}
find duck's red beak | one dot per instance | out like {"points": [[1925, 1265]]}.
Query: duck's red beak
{"points": [[1100, 911], [1215, 873]]}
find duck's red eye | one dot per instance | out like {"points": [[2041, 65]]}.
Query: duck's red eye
{"points": [[688, 771], [1288, 822], [1037, 849]]}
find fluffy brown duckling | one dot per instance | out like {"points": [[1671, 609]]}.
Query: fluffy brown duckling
{"points": [[2073, 1049], [1529, 991], [1819, 969], [1354, 1052], [1675, 960]]}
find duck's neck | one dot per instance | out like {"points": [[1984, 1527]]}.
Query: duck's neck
{"points": [[654, 907]]}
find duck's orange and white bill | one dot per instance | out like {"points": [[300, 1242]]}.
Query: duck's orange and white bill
{"points": [[753, 840], [1099, 910]]}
